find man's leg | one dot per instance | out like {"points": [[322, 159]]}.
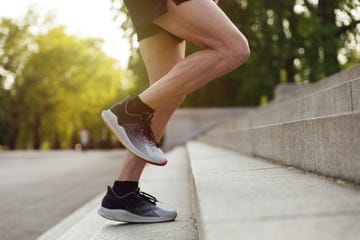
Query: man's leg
{"points": [[160, 53], [224, 49], [124, 202]]}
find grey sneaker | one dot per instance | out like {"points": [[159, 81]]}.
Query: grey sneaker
{"points": [[134, 207], [134, 132]]}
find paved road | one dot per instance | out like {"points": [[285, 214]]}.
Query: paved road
{"points": [[39, 189]]}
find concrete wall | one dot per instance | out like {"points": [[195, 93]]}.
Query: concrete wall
{"points": [[186, 124], [317, 128], [329, 146]]}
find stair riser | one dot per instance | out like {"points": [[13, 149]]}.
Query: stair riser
{"points": [[329, 146], [343, 98], [333, 80], [355, 91]]}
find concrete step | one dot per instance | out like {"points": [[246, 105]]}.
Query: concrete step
{"points": [[316, 128], [329, 146], [171, 184], [185, 124], [80, 225], [328, 82], [246, 198], [336, 99], [332, 96]]}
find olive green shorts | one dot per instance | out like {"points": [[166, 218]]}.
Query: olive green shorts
{"points": [[144, 12]]}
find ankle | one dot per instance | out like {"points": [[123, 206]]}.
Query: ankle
{"points": [[124, 187], [136, 105]]}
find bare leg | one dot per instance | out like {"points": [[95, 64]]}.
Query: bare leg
{"points": [[160, 53], [224, 49]]}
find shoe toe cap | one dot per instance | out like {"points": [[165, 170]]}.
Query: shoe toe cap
{"points": [[168, 214]]}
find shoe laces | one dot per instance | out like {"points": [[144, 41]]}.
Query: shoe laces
{"points": [[146, 128], [147, 197]]}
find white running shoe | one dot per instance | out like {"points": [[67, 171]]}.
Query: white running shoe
{"points": [[134, 132]]}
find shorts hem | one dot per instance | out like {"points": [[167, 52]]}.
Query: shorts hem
{"points": [[143, 13]]}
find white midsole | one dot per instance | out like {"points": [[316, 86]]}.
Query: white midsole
{"points": [[111, 121], [125, 216]]}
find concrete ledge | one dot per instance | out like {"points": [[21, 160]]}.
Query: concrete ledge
{"points": [[246, 198], [334, 100], [76, 221], [284, 90], [355, 93], [186, 124], [316, 129], [338, 99], [328, 145], [171, 184], [335, 79]]}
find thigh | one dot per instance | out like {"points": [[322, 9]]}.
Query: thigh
{"points": [[143, 13], [199, 21], [160, 53]]}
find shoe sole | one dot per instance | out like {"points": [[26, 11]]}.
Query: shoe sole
{"points": [[111, 121], [125, 216]]}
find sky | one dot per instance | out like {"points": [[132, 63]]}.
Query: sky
{"points": [[85, 18]]}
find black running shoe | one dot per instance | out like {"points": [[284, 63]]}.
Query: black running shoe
{"points": [[134, 207], [134, 132]]}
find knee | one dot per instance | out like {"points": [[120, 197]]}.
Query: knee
{"points": [[235, 51]]}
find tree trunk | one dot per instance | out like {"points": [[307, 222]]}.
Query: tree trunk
{"points": [[14, 130], [36, 133], [326, 11], [13, 138], [56, 141], [290, 69]]}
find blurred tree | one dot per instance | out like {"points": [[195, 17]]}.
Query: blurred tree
{"points": [[136, 72], [291, 41], [67, 82], [55, 85], [15, 46]]}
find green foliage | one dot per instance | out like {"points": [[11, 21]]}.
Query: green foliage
{"points": [[291, 41], [136, 72], [60, 85], [15, 42]]}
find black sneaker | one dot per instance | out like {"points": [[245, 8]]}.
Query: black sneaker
{"points": [[134, 132], [134, 207]]}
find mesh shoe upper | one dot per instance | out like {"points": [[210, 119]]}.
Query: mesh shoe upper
{"points": [[137, 202], [137, 133], [135, 123]]}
